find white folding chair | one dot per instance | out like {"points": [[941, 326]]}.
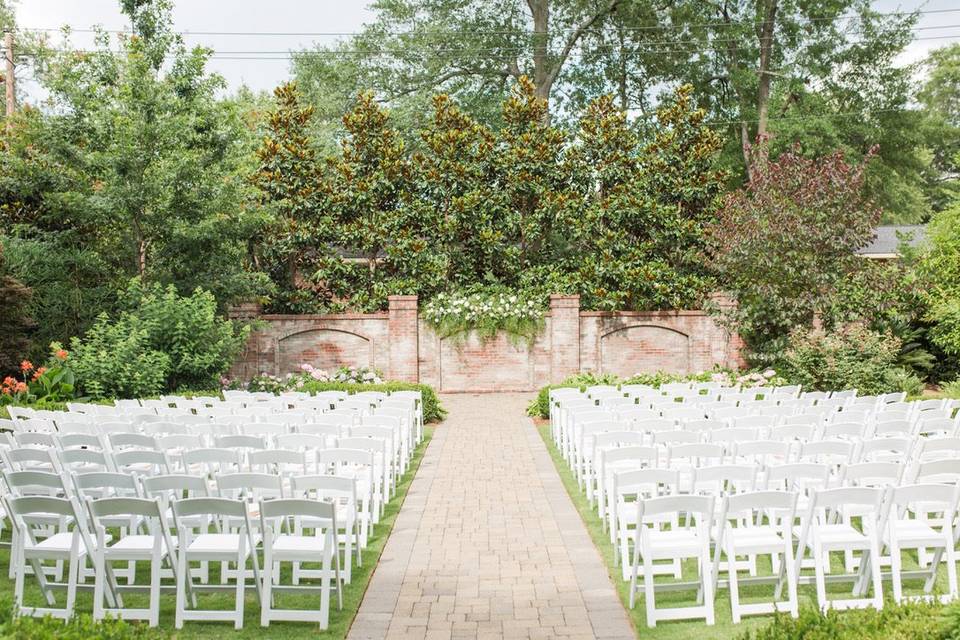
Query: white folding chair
{"points": [[155, 546], [900, 532], [295, 547], [675, 543], [70, 546], [741, 531], [352, 525], [630, 488], [822, 535], [237, 547]]}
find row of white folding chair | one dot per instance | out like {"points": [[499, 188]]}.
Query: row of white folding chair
{"points": [[346, 489], [157, 546], [627, 449], [634, 471], [661, 431], [755, 523], [234, 425]]}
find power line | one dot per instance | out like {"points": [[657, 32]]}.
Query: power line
{"points": [[338, 53], [665, 27]]}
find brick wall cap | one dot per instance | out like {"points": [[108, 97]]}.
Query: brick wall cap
{"points": [[392, 298], [663, 313], [312, 317]]}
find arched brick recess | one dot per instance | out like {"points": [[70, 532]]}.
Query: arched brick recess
{"points": [[644, 348], [322, 347]]}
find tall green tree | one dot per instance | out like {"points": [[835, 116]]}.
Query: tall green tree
{"points": [[940, 97], [159, 152]]}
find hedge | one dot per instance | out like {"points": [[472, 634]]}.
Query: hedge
{"points": [[907, 621], [80, 627]]}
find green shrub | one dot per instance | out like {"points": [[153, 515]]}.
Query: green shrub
{"points": [[909, 621], [80, 627], [161, 342], [200, 344], [951, 389], [849, 357], [114, 360]]}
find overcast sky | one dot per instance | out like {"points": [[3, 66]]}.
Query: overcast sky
{"points": [[329, 16]]}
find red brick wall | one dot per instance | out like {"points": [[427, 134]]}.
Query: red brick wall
{"points": [[405, 348]]}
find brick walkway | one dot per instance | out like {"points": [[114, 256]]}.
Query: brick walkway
{"points": [[488, 544]]}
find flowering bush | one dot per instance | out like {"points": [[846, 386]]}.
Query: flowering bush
{"points": [[309, 379], [848, 357], [308, 373], [52, 382], [750, 380], [485, 311]]}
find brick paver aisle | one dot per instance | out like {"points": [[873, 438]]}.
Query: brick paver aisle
{"points": [[488, 544]]}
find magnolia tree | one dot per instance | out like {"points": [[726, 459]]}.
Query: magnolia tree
{"points": [[786, 242], [601, 211]]}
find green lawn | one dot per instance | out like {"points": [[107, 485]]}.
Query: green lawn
{"points": [[693, 629], [340, 621]]}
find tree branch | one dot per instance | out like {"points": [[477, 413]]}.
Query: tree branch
{"points": [[576, 35]]}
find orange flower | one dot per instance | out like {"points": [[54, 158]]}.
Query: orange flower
{"points": [[20, 388], [26, 365], [9, 381], [39, 372], [61, 354]]}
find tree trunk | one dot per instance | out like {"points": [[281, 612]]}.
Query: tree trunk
{"points": [[141, 257], [765, 35], [542, 76]]}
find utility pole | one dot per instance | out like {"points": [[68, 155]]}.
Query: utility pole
{"points": [[9, 78]]}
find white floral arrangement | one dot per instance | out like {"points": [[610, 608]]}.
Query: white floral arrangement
{"points": [[486, 313], [768, 378], [308, 373]]}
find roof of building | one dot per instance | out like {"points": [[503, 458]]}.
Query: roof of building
{"points": [[887, 239]]}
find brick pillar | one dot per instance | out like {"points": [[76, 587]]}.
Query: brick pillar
{"points": [[404, 339], [564, 337], [247, 364], [726, 303]]}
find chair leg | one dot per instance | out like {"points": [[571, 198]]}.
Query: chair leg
{"points": [[267, 605], [951, 570], [820, 579], [155, 565], [649, 590], [73, 571], [734, 584], [99, 577], [241, 582], [182, 578], [706, 581], [791, 579], [895, 571], [877, 577], [18, 566]]}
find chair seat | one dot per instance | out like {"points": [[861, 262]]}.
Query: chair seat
{"points": [[836, 534], [672, 544], [223, 543], [755, 536], [139, 543], [290, 543], [59, 543], [917, 532]]}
